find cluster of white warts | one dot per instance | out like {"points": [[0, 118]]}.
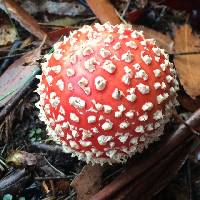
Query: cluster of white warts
{"points": [[100, 84]]}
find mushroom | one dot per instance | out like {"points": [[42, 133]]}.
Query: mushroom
{"points": [[106, 92]]}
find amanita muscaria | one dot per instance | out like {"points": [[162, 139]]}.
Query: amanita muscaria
{"points": [[106, 92]]}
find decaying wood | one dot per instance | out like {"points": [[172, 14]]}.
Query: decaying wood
{"points": [[104, 11], [26, 20], [155, 155]]}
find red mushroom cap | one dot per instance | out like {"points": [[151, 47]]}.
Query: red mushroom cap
{"points": [[106, 92]]}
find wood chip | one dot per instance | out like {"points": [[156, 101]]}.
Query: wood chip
{"points": [[188, 65], [88, 182]]}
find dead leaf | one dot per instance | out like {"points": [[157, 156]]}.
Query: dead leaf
{"points": [[72, 8], [66, 21], [22, 158], [134, 15], [18, 75], [88, 182], [8, 34], [62, 186], [19, 14], [63, 8], [188, 65], [55, 35]]}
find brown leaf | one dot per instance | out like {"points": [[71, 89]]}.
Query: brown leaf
{"points": [[62, 186], [88, 182], [163, 41], [188, 65]]}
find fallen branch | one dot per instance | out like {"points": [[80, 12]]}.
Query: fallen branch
{"points": [[165, 168], [162, 150]]}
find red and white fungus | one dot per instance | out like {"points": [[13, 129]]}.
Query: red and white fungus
{"points": [[106, 92]]}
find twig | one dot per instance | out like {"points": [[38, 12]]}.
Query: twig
{"points": [[13, 56], [52, 178], [70, 196], [11, 53], [126, 8], [185, 53], [61, 173], [181, 121]]}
